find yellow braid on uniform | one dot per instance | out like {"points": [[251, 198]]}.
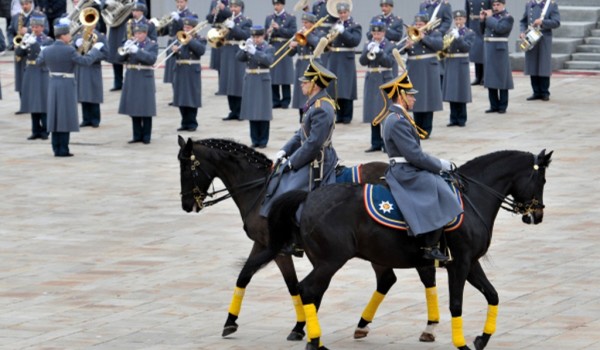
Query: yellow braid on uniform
{"points": [[458, 338], [300, 317], [372, 306], [236, 301], [433, 309], [490, 322], [312, 322]]}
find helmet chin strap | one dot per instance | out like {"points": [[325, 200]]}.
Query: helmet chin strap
{"points": [[404, 98]]}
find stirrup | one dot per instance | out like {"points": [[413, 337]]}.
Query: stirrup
{"points": [[434, 253]]}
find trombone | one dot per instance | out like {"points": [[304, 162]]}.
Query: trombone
{"points": [[301, 38], [183, 38], [414, 34]]}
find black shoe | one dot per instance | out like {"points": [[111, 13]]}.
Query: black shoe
{"points": [[373, 149], [545, 98], [115, 89], [44, 137], [533, 97], [95, 126], [230, 118], [146, 142], [33, 137], [491, 110], [461, 125], [64, 155], [83, 125], [502, 111], [476, 82], [434, 254], [19, 112], [182, 129], [134, 141], [261, 146], [452, 124]]}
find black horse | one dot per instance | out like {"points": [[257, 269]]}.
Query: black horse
{"points": [[244, 173], [335, 228]]}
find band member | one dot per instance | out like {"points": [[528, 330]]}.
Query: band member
{"points": [[473, 9], [171, 30], [281, 26], [377, 57], [303, 59], [90, 89], [138, 15], [438, 9], [256, 98], [456, 87], [53, 9], [394, 27], [138, 99], [424, 198], [187, 80], [423, 65], [217, 14], [538, 60], [341, 62], [2, 49], [34, 90], [319, 9], [61, 59], [232, 70], [308, 159], [19, 26], [116, 36], [497, 77]]}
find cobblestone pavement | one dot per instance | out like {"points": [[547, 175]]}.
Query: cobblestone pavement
{"points": [[97, 254]]}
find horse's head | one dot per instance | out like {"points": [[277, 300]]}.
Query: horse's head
{"points": [[528, 190], [195, 180]]}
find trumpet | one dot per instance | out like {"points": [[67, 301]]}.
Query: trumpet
{"points": [[244, 44], [371, 55], [23, 42], [124, 50], [448, 39]]}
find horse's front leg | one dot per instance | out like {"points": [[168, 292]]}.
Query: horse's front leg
{"points": [[479, 280], [457, 276], [385, 280], [427, 276], [238, 293], [286, 266]]}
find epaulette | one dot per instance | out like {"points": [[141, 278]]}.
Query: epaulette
{"points": [[326, 99]]}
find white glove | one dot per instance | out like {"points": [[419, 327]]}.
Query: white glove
{"points": [[79, 42], [371, 45], [98, 46], [446, 165], [340, 28], [376, 49], [229, 23], [175, 15], [251, 49], [455, 33], [133, 49], [30, 40], [279, 155]]}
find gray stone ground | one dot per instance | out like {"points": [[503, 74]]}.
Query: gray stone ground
{"points": [[97, 254]]}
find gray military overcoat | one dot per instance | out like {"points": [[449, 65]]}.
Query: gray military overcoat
{"points": [[394, 30], [187, 80], [12, 31], [473, 8], [444, 13], [257, 93], [89, 78], [384, 60], [312, 141], [232, 71], [457, 79], [138, 97], [342, 63], [538, 61], [34, 88], [222, 15], [173, 27], [283, 72], [497, 73], [425, 72], [302, 60], [423, 197]]}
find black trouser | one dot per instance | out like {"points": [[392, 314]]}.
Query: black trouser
{"points": [[259, 132], [235, 106], [301, 112], [188, 117], [286, 96], [344, 114], [90, 113], [432, 238], [424, 120], [479, 73], [376, 139], [60, 143], [118, 76], [142, 128], [498, 99], [38, 125], [540, 86], [458, 113]]}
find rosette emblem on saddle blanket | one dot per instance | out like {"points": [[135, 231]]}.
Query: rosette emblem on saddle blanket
{"points": [[382, 208]]}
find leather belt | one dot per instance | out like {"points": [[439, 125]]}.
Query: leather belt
{"points": [[232, 42], [279, 40], [257, 71], [422, 57], [306, 57], [62, 75], [457, 55], [378, 69], [474, 16], [495, 39], [138, 67], [341, 49], [397, 160], [188, 61]]}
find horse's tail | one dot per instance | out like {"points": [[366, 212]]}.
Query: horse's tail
{"points": [[282, 228]]}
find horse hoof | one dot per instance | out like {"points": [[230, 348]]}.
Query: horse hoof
{"points": [[295, 336], [481, 341], [361, 332], [427, 337], [310, 346], [227, 330]]}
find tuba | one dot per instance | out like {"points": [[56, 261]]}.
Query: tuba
{"points": [[332, 6], [117, 11], [75, 15], [18, 39], [88, 18], [161, 23], [216, 36]]}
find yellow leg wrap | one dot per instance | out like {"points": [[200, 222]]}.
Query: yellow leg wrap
{"points": [[371, 308], [490, 322], [312, 322], [458, 338], [236, 301], [300, 317], [433, 309]]}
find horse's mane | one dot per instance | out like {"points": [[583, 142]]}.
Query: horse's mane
{"points": [[492, 158], [253, 157]]}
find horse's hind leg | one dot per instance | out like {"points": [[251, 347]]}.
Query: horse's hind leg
{"points": [[479, 280], [427, 276], [286, 266], [385, 280]]}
